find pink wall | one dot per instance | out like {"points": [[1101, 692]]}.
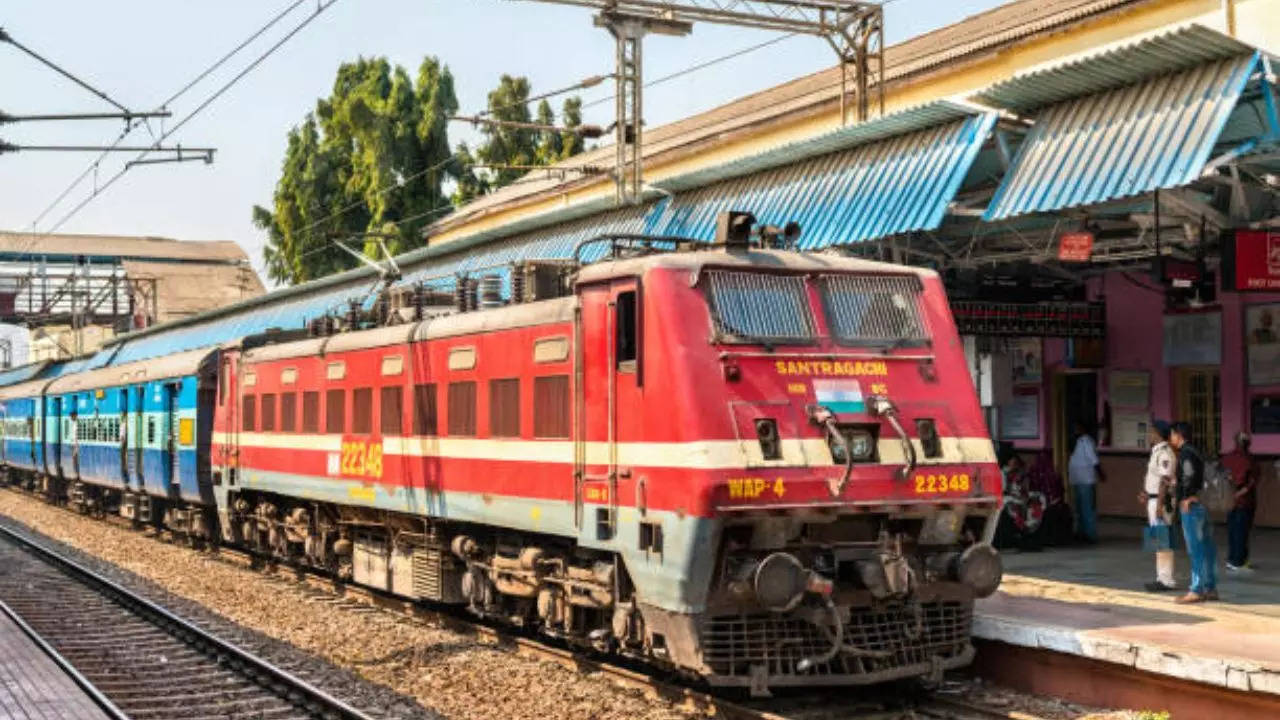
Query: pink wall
{"points": [[1135, 341]]}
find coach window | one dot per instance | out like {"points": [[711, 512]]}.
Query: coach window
{"points": [[335, 418], [627, 327], [424, 409], [311, 411], [390, 400], [362, 411], [288, 411], [268, 412], [504, 408], [248, 415], [551, 406], [462, 408]]}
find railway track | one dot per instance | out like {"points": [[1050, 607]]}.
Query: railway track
{"points": [[137, 659], [836, 704]]}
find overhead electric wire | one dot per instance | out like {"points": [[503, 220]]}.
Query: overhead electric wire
{"points": [[182, 91], [6, 37], [199, 108]]}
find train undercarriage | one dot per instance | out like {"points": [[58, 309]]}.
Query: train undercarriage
{"points": [[812, 601]]}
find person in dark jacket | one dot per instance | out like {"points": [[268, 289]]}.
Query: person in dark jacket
{"points": [[1197, 528], [1244, 479]]}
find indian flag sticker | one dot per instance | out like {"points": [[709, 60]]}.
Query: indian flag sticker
{"points": [[841, 396]]}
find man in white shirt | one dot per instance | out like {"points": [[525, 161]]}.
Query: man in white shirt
{"points": [[1157, 490], [1084, 472]]}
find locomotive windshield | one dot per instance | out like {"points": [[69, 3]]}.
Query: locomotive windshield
{"points": [[873, 309], [775, 309], [749, 306]]}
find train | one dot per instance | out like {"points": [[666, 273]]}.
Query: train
{"points": [[754, 467]]}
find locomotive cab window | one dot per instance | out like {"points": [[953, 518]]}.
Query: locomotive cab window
{"points": [[751, 307], [626, 331], [874, 309]]}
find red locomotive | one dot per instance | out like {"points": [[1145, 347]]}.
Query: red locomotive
{"points": [[755, 466]]}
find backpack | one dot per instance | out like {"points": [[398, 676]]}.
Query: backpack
{"points": [[1219, 491]]}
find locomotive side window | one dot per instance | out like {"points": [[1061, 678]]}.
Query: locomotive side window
{"points": [[268, 412], [757, 307], [504, 408], [551, 406], [424, 409], [626, 330], [288, 412], [311, 411], [362, 411], [462, 408], [392, 410], [873, 309], [335, 411], [248, 413]]}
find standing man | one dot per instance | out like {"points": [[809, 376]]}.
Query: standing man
{"points": [[1244, 476], [1157, 495], [1084, 472], [1197, 528]]}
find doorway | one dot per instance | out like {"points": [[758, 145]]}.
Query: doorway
{"points": [[1075, 399], [1197, 400]]}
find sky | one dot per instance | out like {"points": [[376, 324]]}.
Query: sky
{"points": [[141, 52]]}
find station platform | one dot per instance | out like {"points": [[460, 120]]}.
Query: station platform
{"points": [[1089, 601], [33, 686]]}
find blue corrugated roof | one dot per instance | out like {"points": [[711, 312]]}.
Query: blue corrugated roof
{"points": [[1125, 141], [22, 373], [890, 186]]}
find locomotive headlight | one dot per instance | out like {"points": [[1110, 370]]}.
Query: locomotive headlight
{"points": [[780, 582], [861, 445], [980, 568]]}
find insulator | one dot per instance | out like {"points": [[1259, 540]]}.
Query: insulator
{"points": [[353, 316], [473, 294], [490, 291], [517, 283], [419, 299], [460, 294]]}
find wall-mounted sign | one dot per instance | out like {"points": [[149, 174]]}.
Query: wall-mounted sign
{"points": [[1072, 319], [1193, 339], [1129, 388], [1251, 261], [1264, 415], [1020, 417], [1075, 246], [1129, 430], [1262, 340], [1027, 360]]}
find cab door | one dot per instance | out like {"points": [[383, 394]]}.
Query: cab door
{"points": [[610, 369]]}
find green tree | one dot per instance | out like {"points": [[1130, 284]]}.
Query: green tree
{"points": [[507, 145], [373, 157]]}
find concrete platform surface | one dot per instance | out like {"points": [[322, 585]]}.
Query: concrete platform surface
{"points": [[1089, 601], [32, 686]]}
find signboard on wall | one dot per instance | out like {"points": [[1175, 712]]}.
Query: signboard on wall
{"points": [[1020, 417], [1027, 360], [1129, 430], [1264, 415], [1251, 261], [1069, 319], [1193, 339], [1129, 388], [1075, 246], [1262, 340]]}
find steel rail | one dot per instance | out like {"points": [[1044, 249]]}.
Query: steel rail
{"points": [[95, 695], [175, 625]]}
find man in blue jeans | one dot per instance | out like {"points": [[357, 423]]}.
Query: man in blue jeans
{"points": [[1197, 528], [1083, 472]]}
